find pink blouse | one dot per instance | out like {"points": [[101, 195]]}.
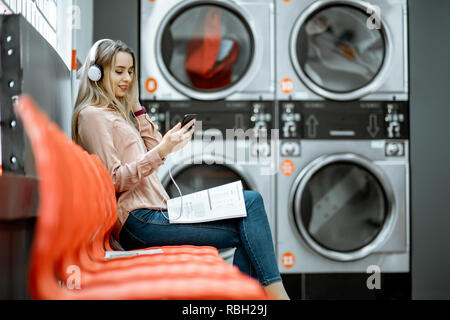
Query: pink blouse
{"points": [[129, 155]]}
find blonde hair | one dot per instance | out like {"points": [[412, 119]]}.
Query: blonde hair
{"points": [[101, 93]]}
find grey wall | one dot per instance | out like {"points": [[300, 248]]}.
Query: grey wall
{"points": [[117, 20], [430, 147], [82, 36]]}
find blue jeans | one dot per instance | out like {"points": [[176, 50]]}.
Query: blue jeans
{"points": [[251, 236]]}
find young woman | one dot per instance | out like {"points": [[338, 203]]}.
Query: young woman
{"points": [[132, 151]]}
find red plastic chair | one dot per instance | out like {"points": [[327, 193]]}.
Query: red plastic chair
{"points": [[98, 271], [76, 214], [79, 173]]}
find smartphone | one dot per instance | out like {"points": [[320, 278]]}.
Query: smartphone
{"points": [[187, 118]]}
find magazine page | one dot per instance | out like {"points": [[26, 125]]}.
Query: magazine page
{"points": [[223, 202]]}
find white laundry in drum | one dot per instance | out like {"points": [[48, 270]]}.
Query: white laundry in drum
{"points": [[335, 199]]}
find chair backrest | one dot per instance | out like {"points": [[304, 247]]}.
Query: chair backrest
{"points": [[77, 204], [108, 212], [46, 245], [82, 219], [100, 211]]}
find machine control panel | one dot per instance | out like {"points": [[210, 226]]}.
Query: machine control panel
{"points": [[371, 120], [256, 116], [290, 148], [261, 118], [395, 149], [394, 119], [290, 120]]}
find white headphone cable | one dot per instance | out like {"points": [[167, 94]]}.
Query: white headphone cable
{"points": [[181, 196]]}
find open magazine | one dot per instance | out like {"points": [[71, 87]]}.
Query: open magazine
{"points": [[223, 202]]}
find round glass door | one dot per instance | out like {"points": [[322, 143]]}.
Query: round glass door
{"points": [[206, 48], [200, 177], [342, 207], [336, 52]]}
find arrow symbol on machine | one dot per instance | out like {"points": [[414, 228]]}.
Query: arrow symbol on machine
{"points": [[373, 127], [312, 124]]}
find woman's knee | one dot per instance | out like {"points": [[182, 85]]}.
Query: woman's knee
{"points": [[252, 197]]}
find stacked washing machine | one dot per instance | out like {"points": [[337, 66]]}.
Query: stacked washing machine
{"points": [[214, 59], [343, 185], [332, 76]]}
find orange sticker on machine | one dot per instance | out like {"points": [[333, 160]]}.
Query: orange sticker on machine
{"points": [[287, 85], [288, 260], [151, 85], [287, 167]]}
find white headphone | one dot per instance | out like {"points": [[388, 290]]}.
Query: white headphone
{"points": [[95, 72]]}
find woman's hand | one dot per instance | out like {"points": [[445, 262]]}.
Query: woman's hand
{"points": [[175, 139], [134, 99]]}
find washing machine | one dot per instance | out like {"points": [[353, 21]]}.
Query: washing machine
{"points": [[214, 59], [209, 161], [341, 50], [343, 199], [195, 52]]}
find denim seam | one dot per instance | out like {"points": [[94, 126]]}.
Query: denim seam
{"points": [[270, 281], [182, 224], [258, 266]]}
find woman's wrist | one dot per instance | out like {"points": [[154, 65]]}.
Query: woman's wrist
{"points": [[162, 151], [139, 112], [136, 107]]}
